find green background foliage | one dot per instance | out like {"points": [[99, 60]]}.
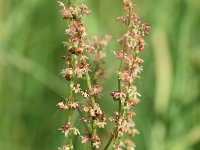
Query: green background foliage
{"points": [[31, 35]]}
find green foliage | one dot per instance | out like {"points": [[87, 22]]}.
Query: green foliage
{"points": [[31, 32]]}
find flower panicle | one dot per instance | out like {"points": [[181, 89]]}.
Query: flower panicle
{"points": [[79, 69], [130, 69]]}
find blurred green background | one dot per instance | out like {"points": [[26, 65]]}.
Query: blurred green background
{"points": [[31, 35]]}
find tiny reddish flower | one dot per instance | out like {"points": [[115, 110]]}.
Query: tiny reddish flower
{"points": [[61, 105]]}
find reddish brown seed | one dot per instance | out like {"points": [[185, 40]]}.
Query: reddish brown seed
{"points": [[68, 78], [72, 51], [79, 50]]}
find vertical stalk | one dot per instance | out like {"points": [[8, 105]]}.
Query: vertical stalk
{"points": [[119, 110], [119, 89], [70, 117], [93, 124]]}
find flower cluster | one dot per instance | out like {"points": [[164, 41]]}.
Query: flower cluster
{"points": [[65, 147], [78, 68], [94, 139], [100, 43], [66, 129], [131, 66]]}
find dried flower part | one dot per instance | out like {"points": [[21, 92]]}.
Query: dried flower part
{"points": [[81, 70], [119, 54], [94, 138], [116, 118], [71, 12], [76, 32], [132, 102], [65, 147], [85, 139], [123, 128], [61, 105], [74, 105], [95, 110], [127, 76], [76, 88], [101, 124], [118, 95], [66, 129], [95, 90], [85, 9], [103, 117], [138, 61], [85, 95], [67, 72], [131, 114], [96, 141], [84, 119], [86, 108]]}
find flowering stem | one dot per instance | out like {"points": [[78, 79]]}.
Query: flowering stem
{"points": [[93, 133], [93, 124], [79, 111], [119, 87], [77, 67], [70, 117], [119, 110]]}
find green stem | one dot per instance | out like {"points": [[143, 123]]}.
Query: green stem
{"points": [[70, 118], [79, 111], [89, 86], [108, 144], [119, 87], [93, 124], [119, 110]]}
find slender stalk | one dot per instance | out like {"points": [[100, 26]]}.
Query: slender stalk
{"points": [[108, 144], [119, 87], [70, 118], [79, 111], [70, 135], [119, 110], [93, 124]]}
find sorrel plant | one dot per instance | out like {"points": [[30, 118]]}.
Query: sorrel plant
{"points": [[79, 70]]}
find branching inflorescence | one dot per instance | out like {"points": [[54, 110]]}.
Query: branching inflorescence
{"points": [[79, 69]]}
